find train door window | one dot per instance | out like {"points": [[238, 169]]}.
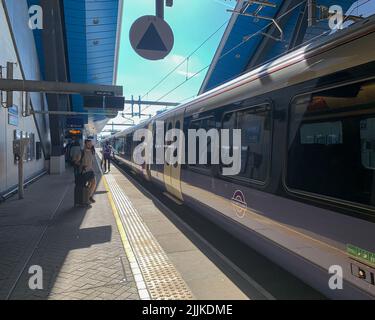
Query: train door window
{"points": [[170, 126], [178, 127], [155, 147], [332, 144]]}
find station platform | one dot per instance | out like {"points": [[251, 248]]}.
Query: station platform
{"points": [[121, 248]]}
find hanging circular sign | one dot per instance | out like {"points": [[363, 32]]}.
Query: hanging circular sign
{"points": [[151, 37]]}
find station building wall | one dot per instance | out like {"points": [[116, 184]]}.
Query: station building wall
{"points": [[10, 122]]}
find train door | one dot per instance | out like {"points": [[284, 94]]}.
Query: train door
{"points": [[172, 173], [148, 165]]}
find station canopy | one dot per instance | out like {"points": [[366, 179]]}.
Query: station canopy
{"points": [[92, 31], [250, 41]]}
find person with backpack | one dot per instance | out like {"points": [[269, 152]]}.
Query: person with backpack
{"points": [[107, 153]]}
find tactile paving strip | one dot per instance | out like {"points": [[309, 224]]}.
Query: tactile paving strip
{"points": [[162, 279]]}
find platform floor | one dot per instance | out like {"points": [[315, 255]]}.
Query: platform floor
{"points": [[122, 247], [80, 250]]}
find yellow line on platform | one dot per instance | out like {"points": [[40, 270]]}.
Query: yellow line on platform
{"points": [[120, 227], [142, 291]]}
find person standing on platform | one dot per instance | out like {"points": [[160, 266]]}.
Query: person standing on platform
{"points": [[107, 153], [87, 168]]}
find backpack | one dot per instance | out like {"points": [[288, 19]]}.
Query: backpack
{"points": [[83, 176], [107, 151]]}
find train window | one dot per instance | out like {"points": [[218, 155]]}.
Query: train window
{"points": [[230, 122], [128, 147], [118, 145], [332, 143], [206, 124], [368, 143], [256, 125], [195, 125], [170, 127]]}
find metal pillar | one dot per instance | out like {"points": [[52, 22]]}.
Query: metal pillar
{"points": [[55, 70], [312, 16]]}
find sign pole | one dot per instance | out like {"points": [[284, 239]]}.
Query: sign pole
{"points": [[160, 9]]}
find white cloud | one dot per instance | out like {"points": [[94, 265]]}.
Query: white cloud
{"points": [[188, 74], [175, 59]]}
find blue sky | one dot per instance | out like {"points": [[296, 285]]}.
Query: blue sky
{"points": [[192, 22]]}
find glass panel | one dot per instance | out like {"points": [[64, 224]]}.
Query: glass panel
{"points": [[195, 125], [332, 143], [230, 123], [368, 143], [322, 133], [206, 124], [255, 126]]}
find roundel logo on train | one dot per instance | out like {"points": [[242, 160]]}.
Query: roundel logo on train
{"points": [[239, 203]]}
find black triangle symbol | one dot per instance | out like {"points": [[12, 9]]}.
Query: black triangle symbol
{"points": [[151, 40]]}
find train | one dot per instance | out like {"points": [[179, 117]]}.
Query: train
{"points": [[305, 194]]}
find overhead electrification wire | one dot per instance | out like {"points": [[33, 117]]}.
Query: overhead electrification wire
{"points": [[229, 51], [182, 62], [186, 59]]}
